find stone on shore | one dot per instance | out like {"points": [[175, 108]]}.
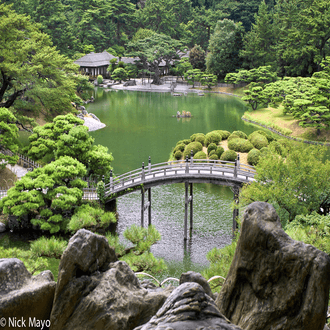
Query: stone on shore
{"points": [[23, 295], [189, 308], [2, 227], [274, 282]]}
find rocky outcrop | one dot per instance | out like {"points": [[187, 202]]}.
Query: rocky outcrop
{"points": [[95, 291], [130, 83], [2, 227], [22, 295], [189, 308], [274, 282], [197, 278]]}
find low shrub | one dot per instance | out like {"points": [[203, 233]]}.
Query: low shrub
{"points": [[240, 145], [287, 144], [253, 157], [212, 146], [200, 139], [212, 153], [212, 137], [99, 79], [219, 151], [48, 247], [229, 155], [179, 147], [178, 155], [268, 136], [278, 148], [214, 157], [264, 151], [233, 136], [224, 134], [185, 142], [241, 134], [259, 141], [200, 155], [194, 136], [114, 243], [194, 146]]}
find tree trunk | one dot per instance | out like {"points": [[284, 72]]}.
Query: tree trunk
{"points": [[156, 80]]}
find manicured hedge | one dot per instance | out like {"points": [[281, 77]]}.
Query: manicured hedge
{"points": [[285, 143], [241, 134], [212, 146], [194, 146], [200, 155], [240, 145], [232, 136], [214, 157], [194, 136], [224, 134], [212, 137], [277, 147], [229, 155], [200, 139], [212, 152], [178, 155], [268, 136], [186, 141], [253, 157], [259, 141], [179, 147], [219, 151]]}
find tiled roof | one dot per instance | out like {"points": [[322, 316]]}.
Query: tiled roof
{"points": [[95, 59]]}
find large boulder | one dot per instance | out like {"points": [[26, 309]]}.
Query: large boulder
{"points": [[23, 296], [188, 308], [274, 282], [95, 291]]}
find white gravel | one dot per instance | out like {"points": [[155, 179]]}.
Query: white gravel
{"points": [[93, 124]]}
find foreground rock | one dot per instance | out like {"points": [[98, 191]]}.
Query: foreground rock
{"points": [[95, 291], [22, 295], [189, 308], [274, 282]]}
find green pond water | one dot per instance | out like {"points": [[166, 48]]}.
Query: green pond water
{"points": [[139, 125]]}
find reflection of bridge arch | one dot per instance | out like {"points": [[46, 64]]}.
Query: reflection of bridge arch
{"points": [[191, 171]]}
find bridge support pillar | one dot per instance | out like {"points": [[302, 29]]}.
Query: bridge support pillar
{"points": [[149, 206], [142, 207], [145, 206], [188, 199], [235, 211]]}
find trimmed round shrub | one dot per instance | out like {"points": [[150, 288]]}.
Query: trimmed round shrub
{"points": [[240, 145], [233, 136], [219, 151], [194, 146], [194, 136], [285, 143], [212, 153], [268, 136], [264, 150], [212, 137], [200, 155], [259, 141], [224, 134], [253, 157], [277, 147], [214, 157], [178, 155], [186, 141], [229, 155], [212, 146], [241, 134], [179, 147], [99, 79], [200, 139]]}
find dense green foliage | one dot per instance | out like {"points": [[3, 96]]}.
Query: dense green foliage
{"points": [[253, 157], [194, 147], [200, 155], [258, 140], [212, 137], [211, 146], [229, 155], [240, 145]]}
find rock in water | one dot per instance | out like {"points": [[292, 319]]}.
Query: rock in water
{"points": [[95, 291], [188, 308], [22, 295], [274, 282]]}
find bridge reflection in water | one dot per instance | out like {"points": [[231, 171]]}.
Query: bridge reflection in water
{"points": [[190, 171]]}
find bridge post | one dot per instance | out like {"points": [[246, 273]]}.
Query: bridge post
{"points": [[191, 209], [142, 207], [191, 157], [149, 206], [149, 165], [111, 181], [235, 211], [186, 210], [235, 169], [238, 162], [187, 165], [143, 176]]}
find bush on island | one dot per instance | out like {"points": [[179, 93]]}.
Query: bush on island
{"points": [[185, 142], [212, 152], [212, 146], [99, 79], [240, 145], [277, 147], [264, 151], [268, 136], [214, 157], [179, 147], [201, 139], [200, 155], [224, 134], [194, 146], [212, 137], [241, 134], [219, 151], [253, 157], [232, 136], [285, 143], [259, 141], [194, 136], [178, 155], [229, 155]]}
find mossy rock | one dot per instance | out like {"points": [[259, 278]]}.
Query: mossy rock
{"points": [[259, 141], [200, 155], [185, 142], [179, 147], [229, 155], [214, 157], [224, 134], [194, 146], [241, 134], [220, 150], [212, 146], [253, 157], [240, 145], [212, 137], [178, 155]]}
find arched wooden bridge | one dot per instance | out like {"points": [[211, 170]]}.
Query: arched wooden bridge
{"points": [[191, 171]]}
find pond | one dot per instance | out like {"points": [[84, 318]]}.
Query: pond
{"points": [[139, 125]]}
